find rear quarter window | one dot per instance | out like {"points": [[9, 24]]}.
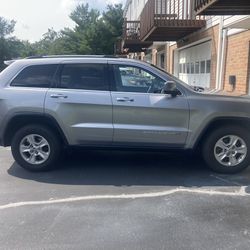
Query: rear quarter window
{"points": [[36, 76]]}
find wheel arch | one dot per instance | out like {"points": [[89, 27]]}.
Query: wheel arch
{"points": [[219, 122], [20, 120]]}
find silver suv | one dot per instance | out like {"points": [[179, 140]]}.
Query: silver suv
{"points": [[49, 103]]}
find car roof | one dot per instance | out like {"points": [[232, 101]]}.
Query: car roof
{"points": [[32, 60]]}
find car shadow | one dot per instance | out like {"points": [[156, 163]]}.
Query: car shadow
{"points": [[132, 168]]}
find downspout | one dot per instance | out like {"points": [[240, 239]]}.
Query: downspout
{"points": [[218, 67], [223, 59]]}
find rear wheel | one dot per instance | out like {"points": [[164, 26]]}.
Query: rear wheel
{"points": [[36, 148], [227, 150]]}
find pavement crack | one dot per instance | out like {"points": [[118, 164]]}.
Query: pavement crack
{"points": [[240, 193], [226, 180]]}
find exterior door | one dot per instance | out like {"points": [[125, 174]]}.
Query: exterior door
{"points": [[195, 65], [82, 103], [144, 116]]}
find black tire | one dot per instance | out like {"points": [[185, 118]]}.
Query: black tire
{"points": [[46, 133], [210, 143]]}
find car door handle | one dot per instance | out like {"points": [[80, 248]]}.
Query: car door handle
{"points": [[124, 99], [58, 96]]}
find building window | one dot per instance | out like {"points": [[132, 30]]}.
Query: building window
{"points": [[208, 66], [203, 67], [184, 68], [192, 67], [188, 68], [180, 68], [197, 67], [162, 58]]}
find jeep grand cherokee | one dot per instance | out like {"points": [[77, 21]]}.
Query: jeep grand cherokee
{"points": [[48, 103]]}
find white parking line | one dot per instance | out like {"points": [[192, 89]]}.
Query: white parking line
{"points": [[5, 149], [240, 193]]}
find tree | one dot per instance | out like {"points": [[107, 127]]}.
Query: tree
{"points": [[6, 27], [6, 41], [10, 46], [113, 19], [94, 33], [47, 45]]}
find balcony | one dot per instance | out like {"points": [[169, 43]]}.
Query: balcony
{"points": [[131, 38], [169, 20], [222, 7]]}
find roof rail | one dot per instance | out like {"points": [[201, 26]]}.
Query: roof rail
{"points": [[9, 62], [71, 56]]}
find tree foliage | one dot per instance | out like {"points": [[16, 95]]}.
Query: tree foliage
{"points": [[8, 43], [94, 33]]}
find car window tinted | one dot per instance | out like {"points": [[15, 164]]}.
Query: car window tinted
{"points": [[38, 76], [135, 79], [84, 76]]}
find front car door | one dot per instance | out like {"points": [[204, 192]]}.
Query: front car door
{"points": [[142, 115], [81, 102]]}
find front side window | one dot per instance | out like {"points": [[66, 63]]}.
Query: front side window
{"points": [[135, 79], [83, 76], [36, 76]]}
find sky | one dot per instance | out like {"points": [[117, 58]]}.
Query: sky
{"points": [[34, 17]]}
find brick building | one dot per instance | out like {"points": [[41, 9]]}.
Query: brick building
{"points": [[203, 42]]}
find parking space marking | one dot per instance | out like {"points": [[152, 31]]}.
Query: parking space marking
{"points": [[5, 149], [240, 193]]}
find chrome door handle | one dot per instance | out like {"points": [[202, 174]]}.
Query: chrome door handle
{"points": [[124, 99], [58, 96]]}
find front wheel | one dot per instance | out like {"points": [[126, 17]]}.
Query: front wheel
{"points": [[227, 150], [35, 148]]}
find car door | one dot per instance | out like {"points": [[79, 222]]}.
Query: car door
{"points": [[142, 115], [81, 103]]}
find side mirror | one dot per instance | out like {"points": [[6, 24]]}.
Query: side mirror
{"points": [[170, 89]]}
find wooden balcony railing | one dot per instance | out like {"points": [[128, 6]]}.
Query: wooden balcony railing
{"points": [[131, 30], [169, 20], [222, 7], [131, 37]]}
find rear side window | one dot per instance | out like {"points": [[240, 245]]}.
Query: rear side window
{"points": [[38, 76], [84, 76]]}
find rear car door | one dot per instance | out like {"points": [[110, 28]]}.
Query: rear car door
{"points": [[81, 102], [142, 115]]}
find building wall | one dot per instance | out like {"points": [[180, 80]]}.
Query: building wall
{"points": [[133, 9], [237, 53], [171, 58], [237, 62]]}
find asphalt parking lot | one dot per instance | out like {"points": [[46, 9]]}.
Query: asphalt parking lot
{"points": [[123, 200]]}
